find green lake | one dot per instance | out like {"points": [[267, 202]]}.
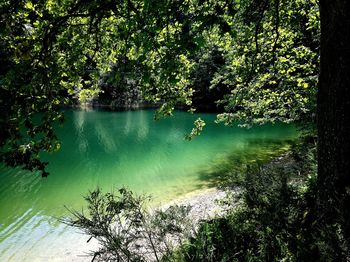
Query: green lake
{"points": [[115, 149]]}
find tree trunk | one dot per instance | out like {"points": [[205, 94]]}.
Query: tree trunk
{"points": [[333, 117]]}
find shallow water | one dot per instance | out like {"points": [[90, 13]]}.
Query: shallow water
{"points": [[114, 149]]}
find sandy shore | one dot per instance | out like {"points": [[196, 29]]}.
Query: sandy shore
{"points": [[203, 206], [203, 203], [73, 245]]}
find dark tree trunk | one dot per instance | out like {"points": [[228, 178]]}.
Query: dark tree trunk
{"points": [[333, 116]]}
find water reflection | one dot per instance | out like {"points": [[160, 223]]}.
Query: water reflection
{"points": [[118, 149]]}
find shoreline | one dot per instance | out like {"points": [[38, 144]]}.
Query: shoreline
{"points": [[203, 203], [203, 206]]}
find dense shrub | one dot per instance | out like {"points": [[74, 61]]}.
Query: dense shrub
{"points": [[127, 230], [277, 220]]}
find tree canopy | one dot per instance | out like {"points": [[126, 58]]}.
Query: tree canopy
{"points": [[258, 60], [260, 57]]}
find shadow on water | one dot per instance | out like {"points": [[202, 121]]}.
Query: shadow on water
{"points": [[111, 150], [229, 169]]}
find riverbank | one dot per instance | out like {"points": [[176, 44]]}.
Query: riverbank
{"points": [[204, 205]]}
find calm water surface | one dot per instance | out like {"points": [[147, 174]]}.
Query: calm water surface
{"points": [[114, 149]]}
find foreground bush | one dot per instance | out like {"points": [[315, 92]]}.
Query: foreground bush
{"points": [[277, 220], [127, 231]]}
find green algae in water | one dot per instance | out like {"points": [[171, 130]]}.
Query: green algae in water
{"points": [[115, 149]]}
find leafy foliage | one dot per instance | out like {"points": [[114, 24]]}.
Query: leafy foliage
{"points": [[197, 129], [276, 221], [127, 231], [173, 52], [272, 65]]}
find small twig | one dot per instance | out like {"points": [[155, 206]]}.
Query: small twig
{"points": [[277, 21]]}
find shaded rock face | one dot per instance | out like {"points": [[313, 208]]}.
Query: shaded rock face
{"points": [[120, 87], [128, 98], [207, 93]]}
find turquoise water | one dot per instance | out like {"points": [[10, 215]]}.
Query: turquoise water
{"points": [[114, 149]]}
